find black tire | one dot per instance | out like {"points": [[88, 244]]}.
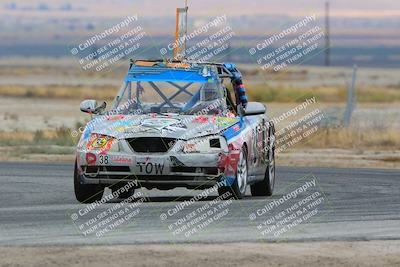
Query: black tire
{"points": [[237, 190], [86, 193], [266, 186]]}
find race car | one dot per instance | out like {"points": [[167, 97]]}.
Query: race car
{"points": [[174, 124]]}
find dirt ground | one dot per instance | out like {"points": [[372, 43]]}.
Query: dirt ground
{"points": [[362, 253]]}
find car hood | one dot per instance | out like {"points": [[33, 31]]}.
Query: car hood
{"points": [[172, 126]]}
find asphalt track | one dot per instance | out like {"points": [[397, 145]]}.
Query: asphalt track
{"points": [[37, 201]]}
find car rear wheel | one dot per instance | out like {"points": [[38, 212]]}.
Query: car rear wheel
{"points": [[266, 186], [86, 193], [238, 188]]}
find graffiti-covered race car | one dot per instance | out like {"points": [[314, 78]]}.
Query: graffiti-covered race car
{"points": [[175, 124]]}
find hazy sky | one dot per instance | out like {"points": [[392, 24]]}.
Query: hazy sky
{"points": [[209, 7]]}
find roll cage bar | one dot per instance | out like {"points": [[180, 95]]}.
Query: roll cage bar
{"points": [[222, 70]]}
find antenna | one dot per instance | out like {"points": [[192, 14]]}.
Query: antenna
{"points": [[327, 37]]}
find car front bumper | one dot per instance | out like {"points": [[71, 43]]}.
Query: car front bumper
{"points": [[158, 170]]}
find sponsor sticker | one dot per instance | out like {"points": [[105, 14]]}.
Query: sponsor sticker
{"points": [[149, 165], [121, 159], [90, 158], [98, 141]]}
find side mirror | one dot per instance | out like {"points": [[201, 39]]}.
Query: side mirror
{"points": [[254, 108], [90, 106]]}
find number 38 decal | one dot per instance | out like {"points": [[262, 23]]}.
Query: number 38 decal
{"points": [[103, 159]]}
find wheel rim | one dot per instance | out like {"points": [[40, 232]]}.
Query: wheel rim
{"points": [[271, 167], [242, 173]]}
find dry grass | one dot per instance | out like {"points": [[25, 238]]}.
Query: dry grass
{"points": [[354, 138], [285, 89], [266, 93], [328, 147], [60, 136], [8, 138], [256, 92], [59, 91], [345, 138]]}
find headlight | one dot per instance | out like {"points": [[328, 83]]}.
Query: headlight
{"points": [[102, 142], [205, 144]]}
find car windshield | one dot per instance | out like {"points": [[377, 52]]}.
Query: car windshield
{"points": [[141, 97]]}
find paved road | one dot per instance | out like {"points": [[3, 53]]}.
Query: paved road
{"points": [[37, 202]]}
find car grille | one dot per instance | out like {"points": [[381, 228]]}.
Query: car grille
{"points": [[151, 144]]}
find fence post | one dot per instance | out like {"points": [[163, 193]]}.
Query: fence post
{"points": [[350, 99]]}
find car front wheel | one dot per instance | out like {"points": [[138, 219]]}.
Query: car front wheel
{"points": [[86, 193], [266, 186], [238, 188]]}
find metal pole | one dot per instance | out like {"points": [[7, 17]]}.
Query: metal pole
{"points": [[180, 33], [327, 37], [350, 99]]}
